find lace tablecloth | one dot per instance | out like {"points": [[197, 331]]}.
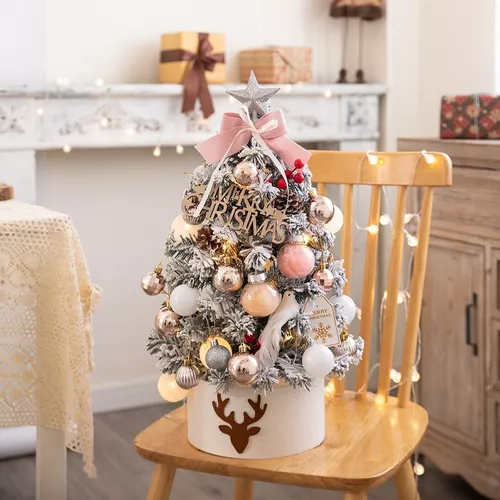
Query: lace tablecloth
{"points": [[46, 304]]}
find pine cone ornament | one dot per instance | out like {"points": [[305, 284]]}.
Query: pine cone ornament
{"points": [[291, 202], [206, 241]]}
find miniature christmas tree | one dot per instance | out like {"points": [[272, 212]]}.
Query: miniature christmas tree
{"points": [[253, 292]]}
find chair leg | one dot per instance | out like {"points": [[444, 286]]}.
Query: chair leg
{"points": [[406, 485], [243, 489], [355, 496], [161, 482]]}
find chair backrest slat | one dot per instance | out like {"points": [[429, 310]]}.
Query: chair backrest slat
{"points": [[416, 292], [368, 294], [405, 169], [391, 301], [346, 256]]}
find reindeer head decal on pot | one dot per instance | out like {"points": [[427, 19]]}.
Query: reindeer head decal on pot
{"points": [[239, 433]]}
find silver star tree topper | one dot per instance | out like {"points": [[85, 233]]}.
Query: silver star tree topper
{"points": [[254, 97]]}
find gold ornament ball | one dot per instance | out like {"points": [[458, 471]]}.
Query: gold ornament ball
{"points": [[244, 368], [169, 390], [187, 377], [208, 344], [182, 228], [246, 173], [153, 283], [325, 279], [167, 322], [347, 347], [227, 279], [259, 298], [321, 210]]}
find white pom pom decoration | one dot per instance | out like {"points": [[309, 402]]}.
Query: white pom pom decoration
{"points": [[184, 300], [318, 360]]}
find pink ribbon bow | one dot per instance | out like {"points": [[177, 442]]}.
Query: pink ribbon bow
{"points": [[236, 132]]}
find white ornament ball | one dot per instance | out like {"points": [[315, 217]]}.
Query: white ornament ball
{"points": [[181, 228], [347, 307], [318, 360], [169, 390], [335, 225], [184, 300]]}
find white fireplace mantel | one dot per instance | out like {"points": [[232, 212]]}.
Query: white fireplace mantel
{"points": [[119, 116]]}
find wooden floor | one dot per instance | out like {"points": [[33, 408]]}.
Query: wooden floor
{"points": [[123, 475]]}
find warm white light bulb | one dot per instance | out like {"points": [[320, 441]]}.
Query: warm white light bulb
{"points": [[330, 389], [104, 122], [372, 229], [157, 151], [327, 93], [67, 148], [358, 312], [418, 469], [412, 241], [62, 81], [372, 159], [408, 218], [401, 297], [39, 111], [429, 157], [415, 376], [385, 219], [99, 82], [379, 399], [287, 88], [179, 149]]}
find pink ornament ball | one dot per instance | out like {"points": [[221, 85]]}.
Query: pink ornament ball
{"points": [[295, 260]]}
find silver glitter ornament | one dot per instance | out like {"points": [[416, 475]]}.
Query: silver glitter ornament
{"points": [[325, 279], [246, 173], [254, 97], [227, 279], [321, 210], [347, 348], [187, 377], [217, 357], [153, 283], [167, 322], [243, 368]]}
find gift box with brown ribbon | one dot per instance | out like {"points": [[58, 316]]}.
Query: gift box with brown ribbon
{"points": [[195, 60], [475, 116], [277, 64]]}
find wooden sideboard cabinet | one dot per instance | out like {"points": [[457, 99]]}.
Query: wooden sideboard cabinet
{"points": [[460, 322]]}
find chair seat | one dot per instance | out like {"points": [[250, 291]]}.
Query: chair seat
{"points": [[365, 444]]}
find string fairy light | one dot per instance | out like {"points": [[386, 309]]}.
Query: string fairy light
{"points": [[99, 82], [179, 149], [287, 88], [327, 93], [66, 148], [39, 111], [157, 151]]}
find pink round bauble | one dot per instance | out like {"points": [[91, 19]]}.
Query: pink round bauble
{"points": [[295, 260]]}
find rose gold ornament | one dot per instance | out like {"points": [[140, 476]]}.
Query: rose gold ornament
{"points": [[246, 173], [153, 283], [325, 278], [259, 298], [295, 260], [187, 377], [243, 367], [228, 279], [167, 322], [321, 210]]}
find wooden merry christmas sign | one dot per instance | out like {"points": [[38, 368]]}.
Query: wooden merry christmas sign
{"points": [[239, 209]]}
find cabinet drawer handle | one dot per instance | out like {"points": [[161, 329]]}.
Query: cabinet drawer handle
{"points": [[470, 324]]}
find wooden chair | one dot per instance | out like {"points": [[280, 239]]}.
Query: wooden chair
{"points": [[369, 438]]}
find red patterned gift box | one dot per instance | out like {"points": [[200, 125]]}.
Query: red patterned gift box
{"points": [[475, 116]]}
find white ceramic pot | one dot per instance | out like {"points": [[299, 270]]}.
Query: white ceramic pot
{"points": [[285, 422]]}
